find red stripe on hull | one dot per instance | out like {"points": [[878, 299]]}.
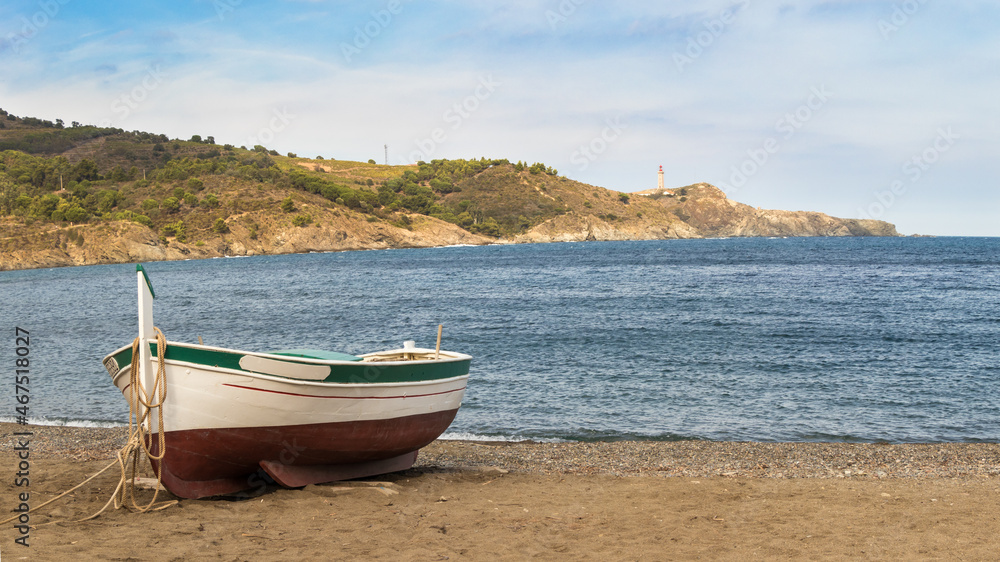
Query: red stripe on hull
{"points": [[345, 397], [206, 462]]}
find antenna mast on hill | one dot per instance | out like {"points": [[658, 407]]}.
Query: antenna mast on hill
{"points": [[386, 155]]}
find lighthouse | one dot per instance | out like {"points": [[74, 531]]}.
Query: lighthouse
{"points": [[659, 184]]}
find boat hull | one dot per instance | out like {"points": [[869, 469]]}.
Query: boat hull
{"points": [[224, 427], [207, 462]]}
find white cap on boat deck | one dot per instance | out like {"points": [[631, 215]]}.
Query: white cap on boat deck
{"points": [[409, 344]]}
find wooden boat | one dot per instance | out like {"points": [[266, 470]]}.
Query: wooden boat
{"points": [[302, 416]]}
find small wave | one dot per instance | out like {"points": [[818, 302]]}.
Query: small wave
{"points": [[466, 436], [824, 437], [65, 423]]}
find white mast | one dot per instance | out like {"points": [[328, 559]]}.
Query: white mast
{"points": [[146, 336]]}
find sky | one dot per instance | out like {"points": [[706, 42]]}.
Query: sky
{"points": [[858, 109]]}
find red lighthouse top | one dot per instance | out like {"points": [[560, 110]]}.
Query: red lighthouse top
{"points": [[661, 167]]}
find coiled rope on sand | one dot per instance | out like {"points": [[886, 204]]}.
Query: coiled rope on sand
{"points": [[141, 405]]}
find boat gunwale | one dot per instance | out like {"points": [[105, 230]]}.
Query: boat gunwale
{"points": [[454, 358], [297, 382]]}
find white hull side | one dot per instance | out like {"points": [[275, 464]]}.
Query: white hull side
{"points": [[199, 397]]}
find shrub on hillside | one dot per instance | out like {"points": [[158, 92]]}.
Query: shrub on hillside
{"points": [[176, 229], [127, 215], [488, 227], [75, 213], [220, 226], [107, 199]]}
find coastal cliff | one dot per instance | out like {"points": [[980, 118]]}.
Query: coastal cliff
{"points": [[707, 209], [24, 247], [699, 211]]}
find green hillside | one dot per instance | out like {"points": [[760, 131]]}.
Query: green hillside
{"points": [[191, 189]]}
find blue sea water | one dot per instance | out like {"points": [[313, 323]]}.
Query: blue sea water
{"points": [[799, 339]]}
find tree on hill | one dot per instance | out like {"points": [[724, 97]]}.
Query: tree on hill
{"points": [[86, 170], [118, 174], [76, 213], [9, 194]]}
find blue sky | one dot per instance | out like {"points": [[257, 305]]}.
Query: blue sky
{"points": [[865, 109]]}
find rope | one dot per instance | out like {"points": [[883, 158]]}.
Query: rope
{"points": [[74, 488], [140, 405], [129, 456]]}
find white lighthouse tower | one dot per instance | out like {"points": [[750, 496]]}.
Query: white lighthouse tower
{"points": [[659, 184]]}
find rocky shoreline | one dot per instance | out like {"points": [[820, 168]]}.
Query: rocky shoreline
{"points": [[23, 247], [142, 247], [701, 459]]}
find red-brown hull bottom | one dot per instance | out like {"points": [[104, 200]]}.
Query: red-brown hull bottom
{"points": [[208, 462]]}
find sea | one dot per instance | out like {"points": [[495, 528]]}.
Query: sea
{"points": [[750, 339]]}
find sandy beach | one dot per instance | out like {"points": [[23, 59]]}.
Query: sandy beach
{"points": [[546, 501]]}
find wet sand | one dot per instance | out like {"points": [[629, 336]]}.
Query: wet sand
{"points": [[547, 501]]}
